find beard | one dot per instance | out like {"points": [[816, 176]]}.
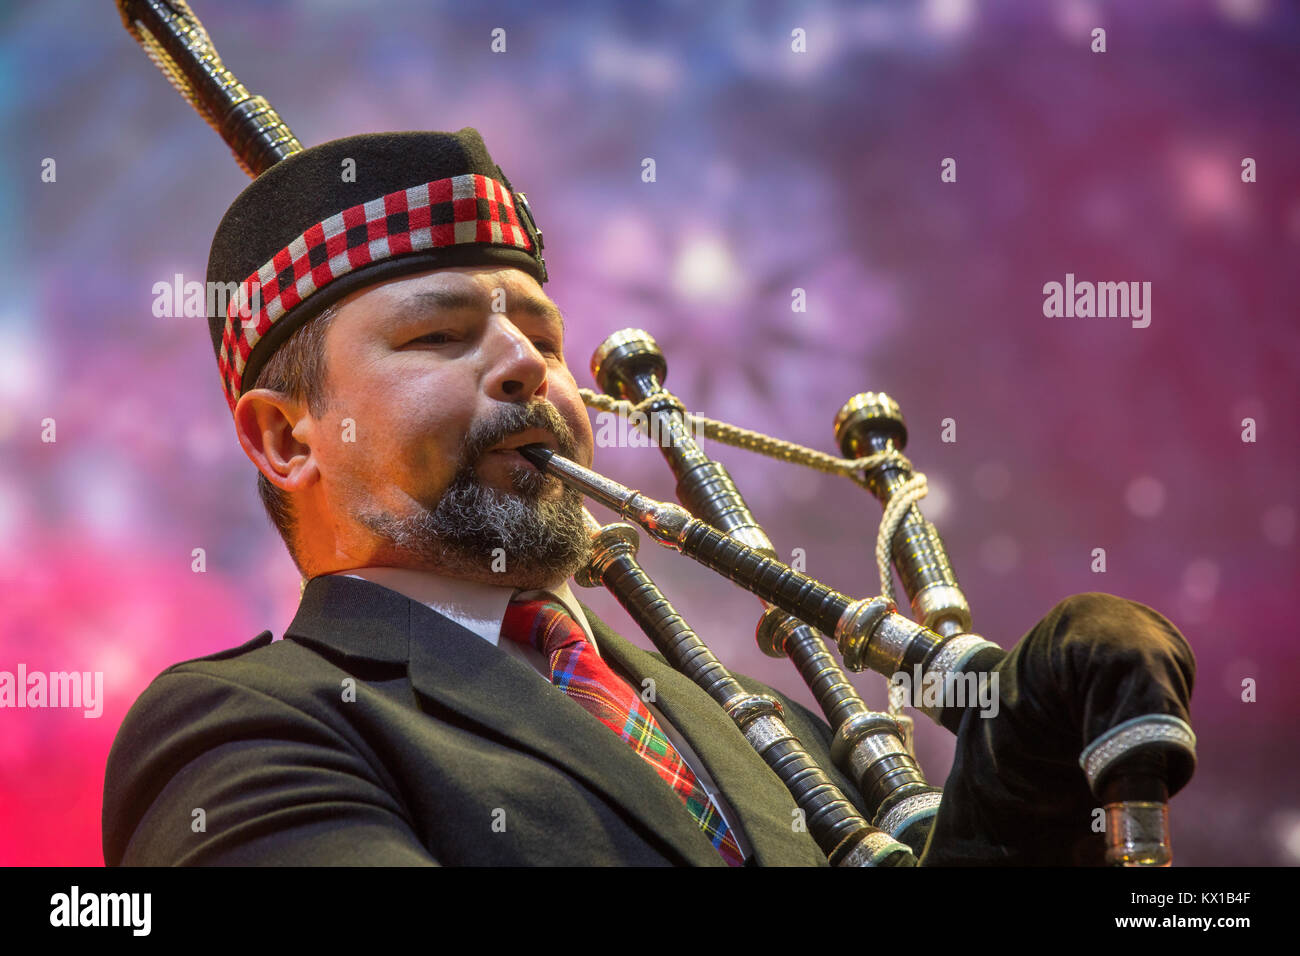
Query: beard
{"points": [[511, 538]]}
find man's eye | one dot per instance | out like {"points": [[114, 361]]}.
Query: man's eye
{"points": [[546, 345], [433, 338]]}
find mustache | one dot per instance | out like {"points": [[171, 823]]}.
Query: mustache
{"points": [[511, 420]]}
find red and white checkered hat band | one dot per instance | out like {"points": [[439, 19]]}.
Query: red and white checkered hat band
{"points": [[460, 210]]}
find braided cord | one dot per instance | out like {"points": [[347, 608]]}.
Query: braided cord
{"points": [[750, 440], [900, 503]]}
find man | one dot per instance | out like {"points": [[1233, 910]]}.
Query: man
{"points": [[394, 724], [433, 699]]}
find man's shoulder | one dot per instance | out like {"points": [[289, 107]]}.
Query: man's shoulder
{"points": [[265, 639], [208, 728], [259, 676], [263, 648], [261, 663]]}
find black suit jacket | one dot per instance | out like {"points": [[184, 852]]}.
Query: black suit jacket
{"points": [[381, 732]]}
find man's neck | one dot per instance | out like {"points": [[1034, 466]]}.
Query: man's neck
{"points": [[477, 606], [411, 576]]}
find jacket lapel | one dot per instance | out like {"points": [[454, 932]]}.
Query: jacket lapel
{"points": [[753, 789], [456, 670]]}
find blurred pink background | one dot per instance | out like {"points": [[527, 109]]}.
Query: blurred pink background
{"points": [[775, 170]]}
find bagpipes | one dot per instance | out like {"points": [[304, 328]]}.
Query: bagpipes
{"points": [[1124, 744], [1079, 725]]}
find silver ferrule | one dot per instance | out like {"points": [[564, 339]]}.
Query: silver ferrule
{"points": [[872, 635], [608, 544], [1151, 730], [1137, 833], [870, 749], [854, 633], [764, 732], [862, 732], [664, 522], [890, 642], [774, 630], [910, 811], [878, 849], [950, 661], [942, 608], [749, 708]]}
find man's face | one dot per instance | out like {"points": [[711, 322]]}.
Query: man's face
{"points": [[439, 371]]}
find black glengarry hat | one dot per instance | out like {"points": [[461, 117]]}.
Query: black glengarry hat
{"points": [[314, 227]]}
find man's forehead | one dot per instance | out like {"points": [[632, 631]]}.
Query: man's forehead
{"points": [[449, 290], [479, 298]]}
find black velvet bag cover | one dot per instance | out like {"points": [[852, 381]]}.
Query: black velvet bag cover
{"points": [[1016, 794]]}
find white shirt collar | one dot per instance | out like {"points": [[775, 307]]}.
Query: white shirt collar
{"points": [[480, 608]]}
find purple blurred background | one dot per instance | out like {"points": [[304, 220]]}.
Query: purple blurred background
{"points": [[775, 170]]}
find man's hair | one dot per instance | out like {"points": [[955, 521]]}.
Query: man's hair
{"points": [[296, 369]]}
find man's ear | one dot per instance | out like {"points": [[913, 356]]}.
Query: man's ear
{"points": [[266, 422]]}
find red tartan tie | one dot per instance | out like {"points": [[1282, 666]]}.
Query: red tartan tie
{"points": [[578, 670]]}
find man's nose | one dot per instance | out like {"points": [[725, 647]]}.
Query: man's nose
{"points": [[518, 369]]}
